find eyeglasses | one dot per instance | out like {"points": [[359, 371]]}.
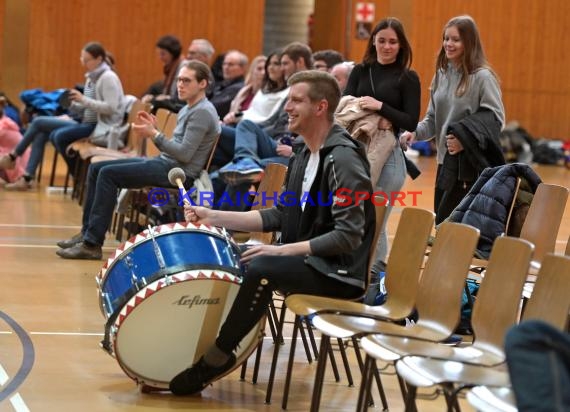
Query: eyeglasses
{"points": [[184, 80]]}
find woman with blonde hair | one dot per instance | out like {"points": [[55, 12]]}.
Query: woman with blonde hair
{"points": [[465, 115]]}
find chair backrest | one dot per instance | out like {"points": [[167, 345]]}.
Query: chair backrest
{"points": [[272, 181], [135, 143], [515, 194], [550, 300], [162, 116], [567, 251], [165, 122], [442, 281], [406, 257], [212, 152], [543, 220], [380, 209], [497, 305]]}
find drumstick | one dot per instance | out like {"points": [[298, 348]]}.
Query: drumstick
{"points": [[176, 176]]}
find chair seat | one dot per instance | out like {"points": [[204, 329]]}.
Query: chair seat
{"points": [[423, 372], [475, 354], [305, 305], [484, 398]]}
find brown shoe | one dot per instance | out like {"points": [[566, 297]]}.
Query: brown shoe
{"points": [[20, 185], [81, 251], [6, 162], [66, 244]]}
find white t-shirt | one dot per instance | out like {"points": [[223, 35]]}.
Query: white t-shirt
{"points": [[264, 105], [310, 174]]}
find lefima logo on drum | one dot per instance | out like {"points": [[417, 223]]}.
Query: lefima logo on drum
{"points": [[195, 300]]}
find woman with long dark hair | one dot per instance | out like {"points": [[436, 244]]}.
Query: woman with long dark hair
{"points": [[385, 84]]}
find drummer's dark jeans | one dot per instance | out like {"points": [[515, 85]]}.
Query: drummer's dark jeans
{"points": [[538, 357], [288, 275]]}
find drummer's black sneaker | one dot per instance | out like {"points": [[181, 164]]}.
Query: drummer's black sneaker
{"points": [[200, 375]]}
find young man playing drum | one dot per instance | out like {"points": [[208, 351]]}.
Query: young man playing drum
{"points": [[325, 244], [197, 127]]}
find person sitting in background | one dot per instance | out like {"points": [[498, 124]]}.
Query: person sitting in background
{"points": [[101, 106], [253, 83], [341, 72], [266, 102], [257, 144], [168, 49], [197, 127], [10, 136], [234, 68], [202, 50], [326, 59]]}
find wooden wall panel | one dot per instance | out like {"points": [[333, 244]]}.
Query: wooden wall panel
{"points": [[130, 28]]}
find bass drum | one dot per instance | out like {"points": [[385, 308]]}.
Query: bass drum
{"points": [[165, 296]]}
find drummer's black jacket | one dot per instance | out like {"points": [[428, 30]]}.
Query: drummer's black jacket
{"points": [[339, 230]]}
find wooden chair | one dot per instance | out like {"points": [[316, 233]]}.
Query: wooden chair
{"points": [[438, 301], [402, 275], [549, 303], [495, 311]]}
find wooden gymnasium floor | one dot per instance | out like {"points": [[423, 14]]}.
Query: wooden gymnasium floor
{"points": [[51, 324]]}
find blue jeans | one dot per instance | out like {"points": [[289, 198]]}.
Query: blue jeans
{"points": [[64, 136], [538, 357], [253, 142], [224, 152], [391, 180], [104, 179], [37, 134]]}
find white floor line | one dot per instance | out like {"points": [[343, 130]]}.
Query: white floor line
{"points": [[67, 333], [16, 245], [40, 226], [18, 403], [3, 376]]}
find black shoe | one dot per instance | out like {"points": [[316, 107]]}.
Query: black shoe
{"points": [[81, 251], [200, 375], [65, 244]]}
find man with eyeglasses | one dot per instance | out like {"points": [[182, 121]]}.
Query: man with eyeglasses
{"points": [[197, 126], [234, 68]]}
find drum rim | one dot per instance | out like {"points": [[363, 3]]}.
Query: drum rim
{"points": [[161, 230]]}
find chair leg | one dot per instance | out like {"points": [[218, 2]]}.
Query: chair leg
{"points": [[275, 355], [301, 329], [333, 363], [53, 168], [289, 372], [363, 396], [345, 362], [320, 374], [312, 337], [411, 398]]}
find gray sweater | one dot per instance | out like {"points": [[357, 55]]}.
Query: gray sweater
{"points": [[109, 102], [445, 107], [194, 135]]}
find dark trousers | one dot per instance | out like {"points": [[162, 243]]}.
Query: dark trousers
{"points": [[447, 200], [538, 357], [265, 274]]}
